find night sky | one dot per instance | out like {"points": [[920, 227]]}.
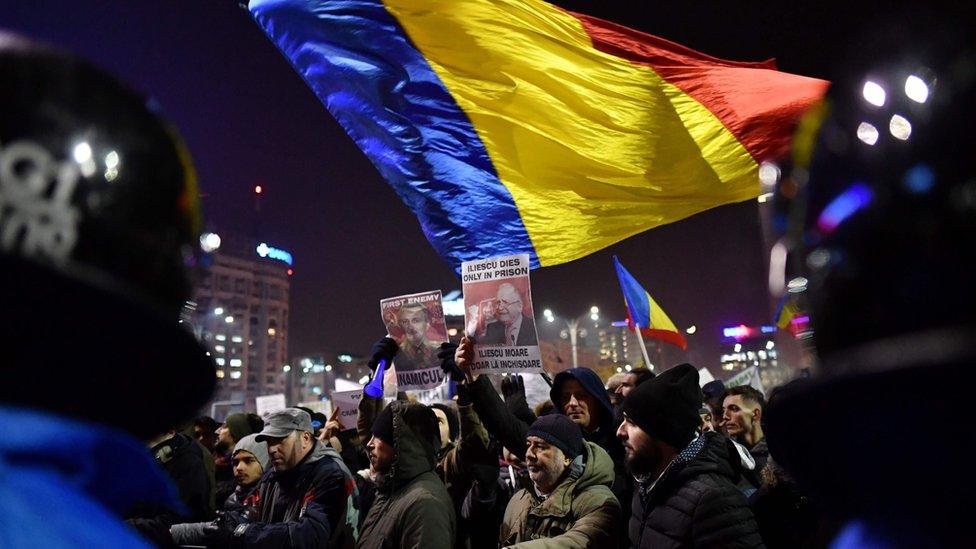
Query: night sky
{"points": [[249, 119]]}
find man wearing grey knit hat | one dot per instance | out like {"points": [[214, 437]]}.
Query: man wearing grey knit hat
{"points": [[686, 494], [251, 460]]}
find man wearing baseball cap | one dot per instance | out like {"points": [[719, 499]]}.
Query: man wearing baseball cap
{"points": [[686, 494], [304, 500], [571, 503]]}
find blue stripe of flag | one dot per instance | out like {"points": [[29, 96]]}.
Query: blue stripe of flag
{"points": [[361, 64], [638, 304]]}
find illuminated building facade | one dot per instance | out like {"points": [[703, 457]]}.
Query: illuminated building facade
{"points": [[241, 313]]}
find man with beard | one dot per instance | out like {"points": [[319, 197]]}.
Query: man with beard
{"points": [[686, 494], [412, 508], [577, 393], [234, 429], [570, 504], [304, 501], [250, 460]]}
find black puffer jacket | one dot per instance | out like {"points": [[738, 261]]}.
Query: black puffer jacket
{"points": [[695, 502], [308, 506]]}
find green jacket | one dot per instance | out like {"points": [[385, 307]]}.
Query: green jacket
{"points": [[581, 512], [412, 509]]}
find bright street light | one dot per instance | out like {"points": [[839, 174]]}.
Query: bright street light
{"points": [[573, 330]]}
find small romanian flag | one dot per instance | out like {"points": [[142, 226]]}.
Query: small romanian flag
{"points": [[516, 127], [788, 310], [644, 313]]}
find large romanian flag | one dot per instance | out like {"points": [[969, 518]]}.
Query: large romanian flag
{"points": [[513, 126]]}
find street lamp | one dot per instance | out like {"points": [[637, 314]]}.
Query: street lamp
{"points": [[573, 330]]}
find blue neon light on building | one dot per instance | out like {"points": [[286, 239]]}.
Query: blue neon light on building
{"points": [[277, 254]]}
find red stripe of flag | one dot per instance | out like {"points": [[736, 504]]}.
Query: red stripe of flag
{"points": [[754, 101]]}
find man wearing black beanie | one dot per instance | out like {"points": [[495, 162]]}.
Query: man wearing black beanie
{"points": [[570, 503], [686, 495]]}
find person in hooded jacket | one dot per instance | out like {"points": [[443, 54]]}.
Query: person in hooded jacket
{"points": [[412, 509], [464, 442], [570, 504], [183, 460], [686, 494]]}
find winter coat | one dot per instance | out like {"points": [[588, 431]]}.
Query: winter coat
{"points": [[502, 424], [786, 518], [453, 461], [581, 512], [454, 466], [237, 504], [760, 453], [485, 503], [308, 506], [181, 456], [65, 483], [412, 509], [695, 502]]}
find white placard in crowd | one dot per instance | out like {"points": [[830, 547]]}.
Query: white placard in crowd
{"points": [[319, 406], [347, 402], [417, 324], [704, 376], [266, 404], [499, 314], [750, 377]]}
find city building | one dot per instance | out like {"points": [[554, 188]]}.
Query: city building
{"points": [[754, 346], [313, 377], [240, 311]]}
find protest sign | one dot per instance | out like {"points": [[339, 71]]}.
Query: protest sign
{"points": [[347, 402], [266, 404], [749, 376], [416, 322], [320, 406], [498, 314], [704, 376]]}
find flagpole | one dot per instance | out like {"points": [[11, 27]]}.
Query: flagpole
{"points": [[640, 341]]}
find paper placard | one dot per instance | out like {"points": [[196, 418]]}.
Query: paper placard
{"points": [[416, 322], [347, 402], [499, 315], [266, 404]]}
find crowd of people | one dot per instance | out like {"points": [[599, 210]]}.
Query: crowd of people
{"points": [[635, 464], [96, 262]]}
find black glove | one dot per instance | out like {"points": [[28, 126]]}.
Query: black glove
{"points": [[486, 476], [463, 395], [513, 386], [513, 389], [384, 349], [217, 535], [446, 354], [230, 520]]}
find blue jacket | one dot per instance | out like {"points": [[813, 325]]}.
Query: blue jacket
{"points": [[66, 483]]}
